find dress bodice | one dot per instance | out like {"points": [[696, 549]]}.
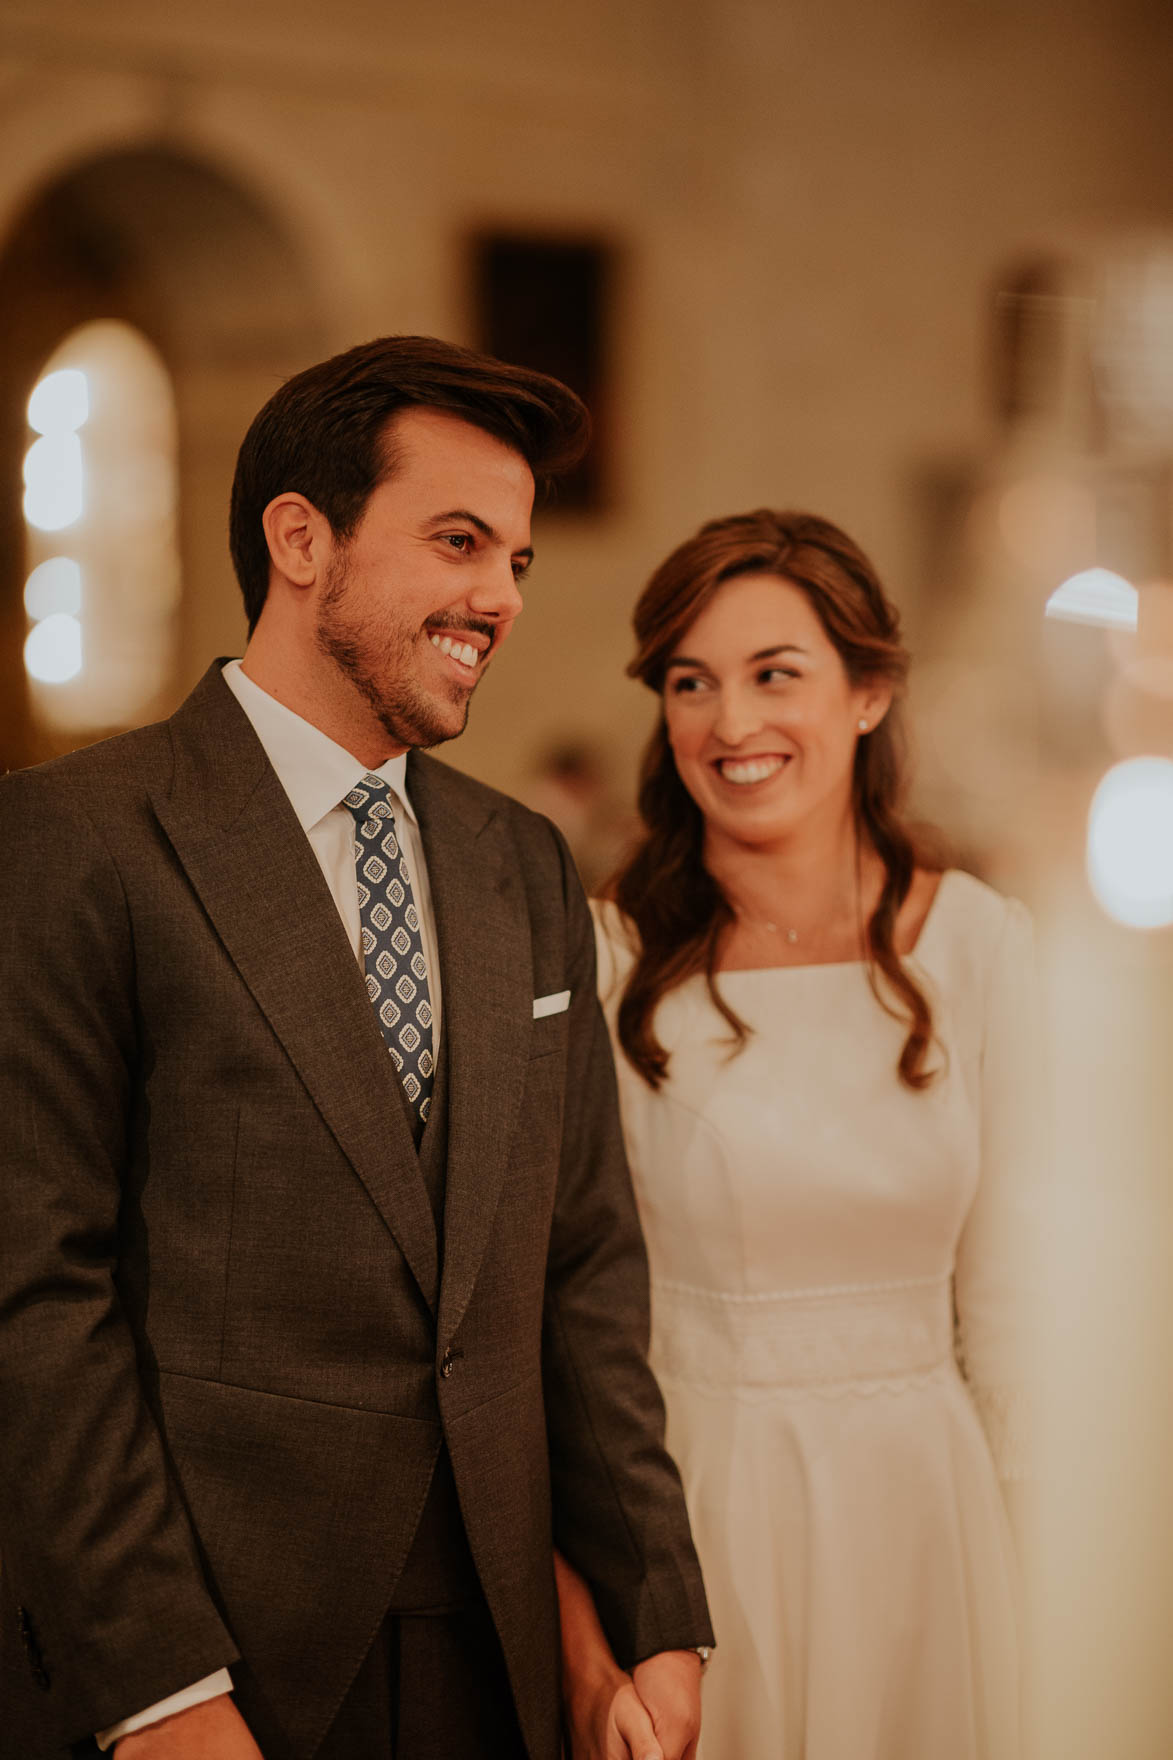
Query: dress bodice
{"points": [[797, 1198]]}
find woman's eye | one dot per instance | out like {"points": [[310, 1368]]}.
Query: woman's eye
{"points": [[688, 685], [773, 674]]}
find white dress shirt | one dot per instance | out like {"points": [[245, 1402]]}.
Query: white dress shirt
{"points": [[316, 773]]}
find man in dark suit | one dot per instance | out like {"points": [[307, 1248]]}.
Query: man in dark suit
{"points": [[322, 1295]]}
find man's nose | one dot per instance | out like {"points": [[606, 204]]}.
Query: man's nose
{"points": [[497, 594]]}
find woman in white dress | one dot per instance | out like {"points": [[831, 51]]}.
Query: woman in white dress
{"points": [[822, 1050]]}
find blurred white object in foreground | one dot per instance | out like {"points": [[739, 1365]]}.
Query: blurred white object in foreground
{"points": [[1130, 843]]}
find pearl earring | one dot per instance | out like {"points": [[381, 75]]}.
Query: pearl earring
{"points": [[863, 726]]}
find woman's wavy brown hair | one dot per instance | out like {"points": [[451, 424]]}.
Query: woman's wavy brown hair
{"points": [[677, 907]]}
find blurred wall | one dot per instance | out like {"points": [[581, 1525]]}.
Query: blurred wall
{"points": [[811, 205]]}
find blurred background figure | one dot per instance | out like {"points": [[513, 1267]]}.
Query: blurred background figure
{"points": [[572, 784], [910, 266], [1054, 549]]}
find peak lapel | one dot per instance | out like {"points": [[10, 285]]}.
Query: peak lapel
{"points": [[231, 825], [486, 967]]}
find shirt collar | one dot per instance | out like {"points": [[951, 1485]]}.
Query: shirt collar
{"points": [[313, 769]]}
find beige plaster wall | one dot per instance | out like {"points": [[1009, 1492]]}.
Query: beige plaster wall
{"points": [[812, 202]]}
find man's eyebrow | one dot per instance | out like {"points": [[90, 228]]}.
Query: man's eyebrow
{"points": [[481, 525]]}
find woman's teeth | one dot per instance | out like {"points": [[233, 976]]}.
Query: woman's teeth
{"points": [[746, 770], [462, 651]]}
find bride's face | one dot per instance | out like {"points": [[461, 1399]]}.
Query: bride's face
{"points": [[761, 716]]}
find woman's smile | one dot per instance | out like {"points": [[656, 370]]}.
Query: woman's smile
{"points": [[751, 772]]}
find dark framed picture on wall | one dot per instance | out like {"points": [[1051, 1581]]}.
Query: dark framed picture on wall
{"points": [[545, 301]]}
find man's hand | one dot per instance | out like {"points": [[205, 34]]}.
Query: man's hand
{"points": [[606, 1720], [214, 1730], [670, 1686]]}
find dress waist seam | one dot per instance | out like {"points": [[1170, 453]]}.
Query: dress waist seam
{"points": [[849, 1334], [815, 1293]]}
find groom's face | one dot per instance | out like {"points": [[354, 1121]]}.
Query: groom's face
{"points": [[421, 596]]}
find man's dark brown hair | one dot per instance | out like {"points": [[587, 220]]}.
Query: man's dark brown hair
{"points": [[323, 434]]}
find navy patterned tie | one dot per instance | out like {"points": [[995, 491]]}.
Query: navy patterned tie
{"points": [[393, 949]]}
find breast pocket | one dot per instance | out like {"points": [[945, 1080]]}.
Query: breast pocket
{"points": [[548, 1035]]}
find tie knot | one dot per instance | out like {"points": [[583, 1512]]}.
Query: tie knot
{"points": [[368, 799]]}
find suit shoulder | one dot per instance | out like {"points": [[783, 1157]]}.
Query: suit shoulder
{"points": [[112, 770], [460, 791]]}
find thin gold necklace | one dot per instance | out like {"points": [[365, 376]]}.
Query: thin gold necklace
{"points": [[793, 936]]}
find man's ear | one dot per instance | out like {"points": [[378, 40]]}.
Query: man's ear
{"points": [[299, 538]]}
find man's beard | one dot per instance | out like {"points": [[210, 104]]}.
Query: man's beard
{"points": [[378, 663]]}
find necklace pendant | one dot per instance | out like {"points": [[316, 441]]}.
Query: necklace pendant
{"points": [[792, 936]]}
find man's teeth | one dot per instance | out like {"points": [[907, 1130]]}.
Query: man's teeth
{"points": [[749, 769], [462, 651]]}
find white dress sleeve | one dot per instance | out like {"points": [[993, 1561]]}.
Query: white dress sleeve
{"points": [[998, 1272], [614, 947]]}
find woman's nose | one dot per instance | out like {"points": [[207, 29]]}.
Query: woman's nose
{"points": [[737, 718]]}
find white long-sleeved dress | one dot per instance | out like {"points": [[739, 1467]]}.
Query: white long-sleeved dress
{"points": [[838, 1276]]}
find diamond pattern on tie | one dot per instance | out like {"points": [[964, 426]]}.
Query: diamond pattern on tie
{"points": [[393, 950]]}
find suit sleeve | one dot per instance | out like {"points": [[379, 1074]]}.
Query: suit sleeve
{"points": [[619, 1513], [95, 1542]]}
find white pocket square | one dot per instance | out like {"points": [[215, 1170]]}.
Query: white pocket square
{"points": [[557, 1003]]}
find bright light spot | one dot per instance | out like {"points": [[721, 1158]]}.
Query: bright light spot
{"points": [[1096, 596], [53, 482], [52, 652], [60, 403], [53, 586], [104, 468], [1130, 843]]}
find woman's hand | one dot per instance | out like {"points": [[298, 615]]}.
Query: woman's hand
{"points": [[669, 1688], [606, 1720]]}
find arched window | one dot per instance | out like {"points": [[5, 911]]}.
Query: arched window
{"points": [[101, 550]]}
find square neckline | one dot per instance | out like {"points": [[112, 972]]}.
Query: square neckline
{"points": [[849, 965]]}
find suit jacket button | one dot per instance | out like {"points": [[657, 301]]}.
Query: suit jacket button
{"points": [[32, 1649], [449, 1361]]}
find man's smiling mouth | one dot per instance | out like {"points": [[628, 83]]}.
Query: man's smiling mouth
{"points": [[463, 652]]}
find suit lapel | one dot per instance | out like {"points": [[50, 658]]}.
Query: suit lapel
{"points": [[486, 967], [232, 827]]}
